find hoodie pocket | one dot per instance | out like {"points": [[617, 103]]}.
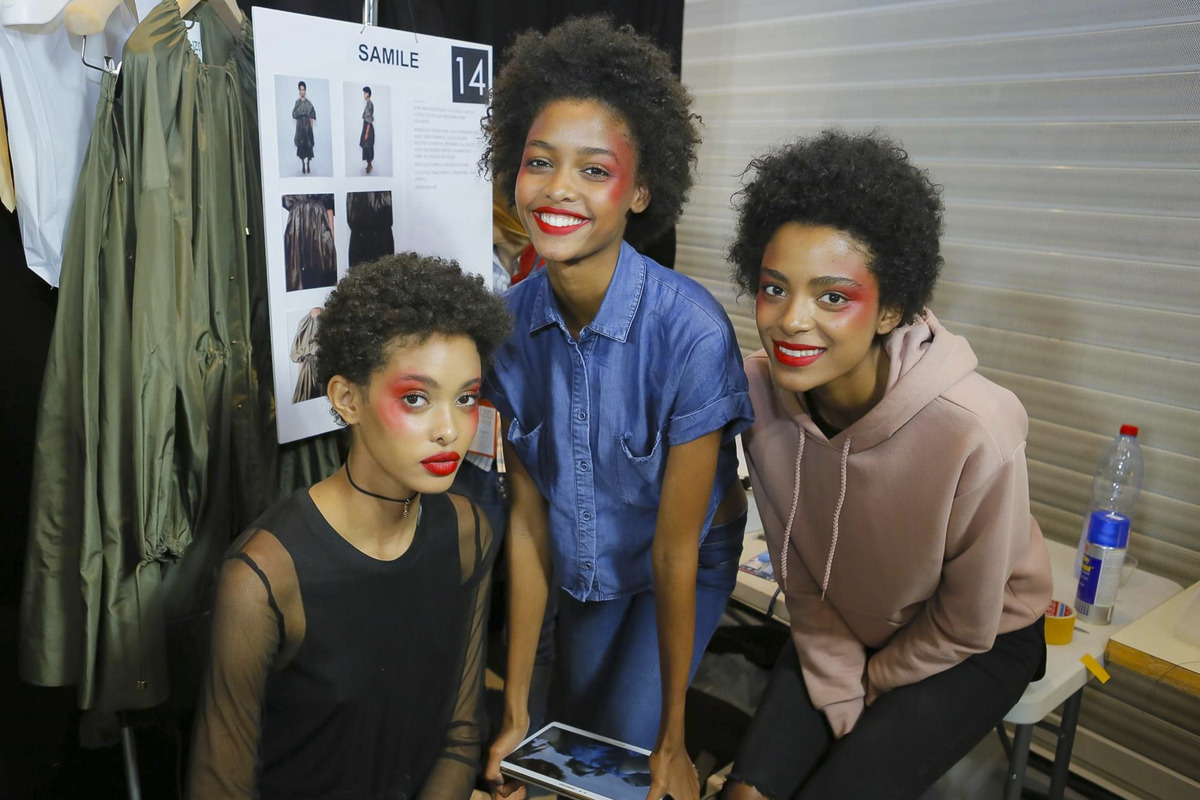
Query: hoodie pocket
{"points": [[639, 477]]}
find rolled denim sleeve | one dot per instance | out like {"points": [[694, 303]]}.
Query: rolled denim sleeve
{"points": [[713, 394]]}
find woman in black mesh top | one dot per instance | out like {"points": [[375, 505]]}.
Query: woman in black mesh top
{"points": [[348, 632]]}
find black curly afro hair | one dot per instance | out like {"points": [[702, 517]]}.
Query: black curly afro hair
{"points": [[587, 58], [861, 184], [405, 296]]}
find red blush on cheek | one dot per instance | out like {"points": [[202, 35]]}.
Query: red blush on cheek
{"points": [[862, 309], [761, 298], [622, 172], [523, 169], [474, 412], [620, 185], [397, 414]]}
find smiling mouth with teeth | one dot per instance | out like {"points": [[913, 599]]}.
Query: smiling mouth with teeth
{"points": [[560, 220], [787, 351], [796, 356], [554, 223]]}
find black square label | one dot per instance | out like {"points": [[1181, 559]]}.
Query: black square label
{"points": [[470, 75]]}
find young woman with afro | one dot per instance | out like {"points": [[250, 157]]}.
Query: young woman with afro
{"points": [[349, 622], [891, 481], [622, 391]]}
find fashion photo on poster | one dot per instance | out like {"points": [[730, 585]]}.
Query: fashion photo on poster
{"points": [[303, 126], [310, 261], [304, 322], [370, 217], [368, 128]]}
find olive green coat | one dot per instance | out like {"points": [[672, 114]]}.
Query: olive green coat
{"points": [[156, 433]]}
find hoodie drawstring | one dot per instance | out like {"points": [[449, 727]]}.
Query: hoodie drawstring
{"points": [[837, 515], [787, 532]]}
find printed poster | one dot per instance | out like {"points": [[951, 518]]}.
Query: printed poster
{"points": [[370, 143]]}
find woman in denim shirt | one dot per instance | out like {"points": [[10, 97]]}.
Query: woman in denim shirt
{"points": [[622, 390]]}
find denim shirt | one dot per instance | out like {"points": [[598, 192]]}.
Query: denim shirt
{"points": [[592, 419]]}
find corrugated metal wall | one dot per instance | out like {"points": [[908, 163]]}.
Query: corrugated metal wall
{"points": [[1066, 134]]}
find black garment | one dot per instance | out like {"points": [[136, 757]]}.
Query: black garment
{"points": [[27, 315], [903, 742], [366, 140], [369, 215], [303, 115], [380, 693]]}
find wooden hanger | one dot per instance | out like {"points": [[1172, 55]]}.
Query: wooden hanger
{"points": [[227, 10]]}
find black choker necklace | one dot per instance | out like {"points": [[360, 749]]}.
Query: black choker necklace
{"points": [[406, 500]]}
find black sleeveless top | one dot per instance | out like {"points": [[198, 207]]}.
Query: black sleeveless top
{"points": [[389, 675]]}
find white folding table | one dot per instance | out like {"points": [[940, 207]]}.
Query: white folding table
{"points": [[1066, 674]]}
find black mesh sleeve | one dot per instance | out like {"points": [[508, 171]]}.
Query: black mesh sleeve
{"points": [[249, 631], [453, 774]]}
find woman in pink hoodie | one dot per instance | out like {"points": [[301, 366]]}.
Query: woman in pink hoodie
{"points": [[891, 481]]}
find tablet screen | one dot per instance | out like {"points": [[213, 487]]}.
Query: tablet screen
{"points": [[581, 764]]}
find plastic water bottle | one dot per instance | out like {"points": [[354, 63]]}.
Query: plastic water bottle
{"points": [[1108, 538], [1117, 484]]}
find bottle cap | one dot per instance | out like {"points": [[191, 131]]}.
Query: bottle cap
{"points": [[1108, 529], [1129, 430]]}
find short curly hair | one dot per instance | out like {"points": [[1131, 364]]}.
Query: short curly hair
{"points": [[587, 58], [861, 184], [405, 296]]}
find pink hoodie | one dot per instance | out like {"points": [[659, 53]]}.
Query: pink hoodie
{"points": [[908, 533]]}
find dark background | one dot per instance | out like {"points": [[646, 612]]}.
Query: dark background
{"points": [[39, 751]]}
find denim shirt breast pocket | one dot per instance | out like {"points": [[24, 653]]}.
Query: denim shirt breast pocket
{"points": [[640, 469], [529, 446]]}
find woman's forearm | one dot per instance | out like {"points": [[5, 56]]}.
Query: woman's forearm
{"points": [[687, 488], [528, 550], [675, 607]]}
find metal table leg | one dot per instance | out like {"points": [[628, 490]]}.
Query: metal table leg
{"points": [[1017, 759], [1066, 741]]}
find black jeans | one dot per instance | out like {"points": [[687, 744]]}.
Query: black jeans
{"points": [[903, 742]]}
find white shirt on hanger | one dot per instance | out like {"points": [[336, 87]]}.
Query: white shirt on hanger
{"points": [[50, 99]]}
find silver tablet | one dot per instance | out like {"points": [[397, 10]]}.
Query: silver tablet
{"points": [[580, 765]]}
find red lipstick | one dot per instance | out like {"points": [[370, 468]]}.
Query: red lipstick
{"points": [[556, 222], [788, 354], [441, 464]]}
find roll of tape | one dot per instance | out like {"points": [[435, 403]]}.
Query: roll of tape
{"points": [[1060, 622]]}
